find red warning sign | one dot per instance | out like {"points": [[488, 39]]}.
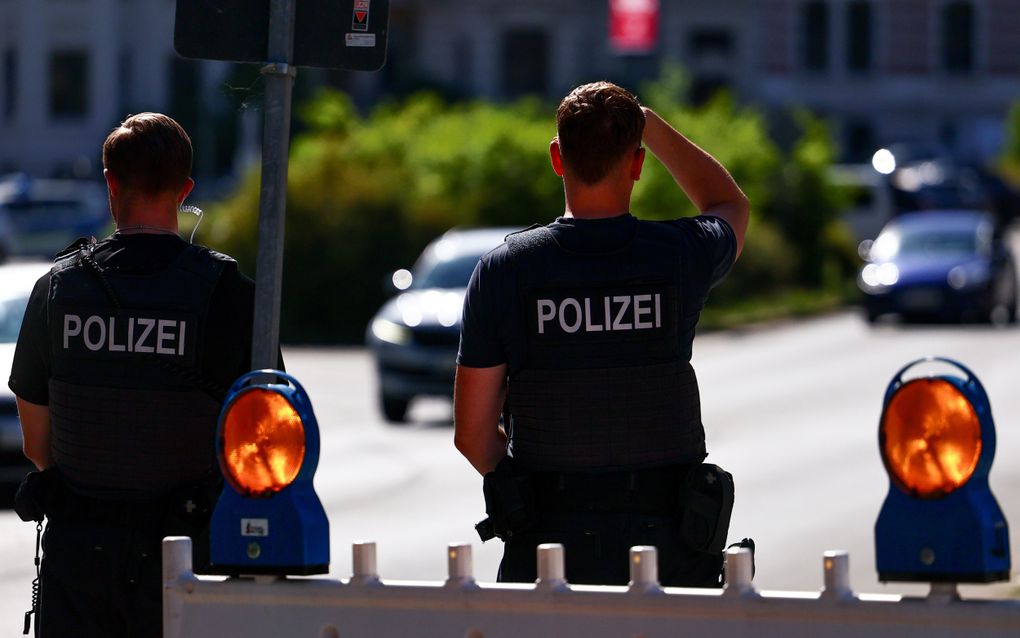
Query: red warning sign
{"points": [[633, 25], [359, 22]]}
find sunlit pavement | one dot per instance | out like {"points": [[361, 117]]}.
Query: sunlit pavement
{"points": [[791, 409]]}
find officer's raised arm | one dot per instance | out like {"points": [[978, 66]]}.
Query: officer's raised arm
{"points": [[705, 181], [478, 401]]}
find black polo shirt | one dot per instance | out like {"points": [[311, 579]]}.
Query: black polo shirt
{"points": [[705, 247]]}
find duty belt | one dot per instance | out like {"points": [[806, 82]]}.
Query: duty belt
{"points": [[655, 491]]}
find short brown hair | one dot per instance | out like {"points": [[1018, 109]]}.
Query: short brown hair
{"points": [[596, 125], [149, 153]]}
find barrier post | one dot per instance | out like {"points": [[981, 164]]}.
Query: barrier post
{"points": [[836, 570]]}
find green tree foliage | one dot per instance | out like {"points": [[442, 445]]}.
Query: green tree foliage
{"points": [[1011, 149], [365, 195]]}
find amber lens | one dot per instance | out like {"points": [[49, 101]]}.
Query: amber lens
{"points": [[931, 438], [263, 442]]}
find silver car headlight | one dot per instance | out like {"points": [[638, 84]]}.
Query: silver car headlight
{"points": [[877, 277], [391, 332]]}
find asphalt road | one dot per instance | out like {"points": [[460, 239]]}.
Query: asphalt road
{"points": [[790, 409]]}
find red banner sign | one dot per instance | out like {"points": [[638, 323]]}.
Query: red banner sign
{"points": [[633, 25]]}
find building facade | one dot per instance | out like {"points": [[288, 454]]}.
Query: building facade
{"points": [[940, 73], [70, 70]]}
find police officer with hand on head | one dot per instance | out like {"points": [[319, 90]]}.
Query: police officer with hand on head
{"points": [[126, 351], [579, 335]]}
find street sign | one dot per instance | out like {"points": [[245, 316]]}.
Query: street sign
{"points": [[634, 26], [332, 34]]}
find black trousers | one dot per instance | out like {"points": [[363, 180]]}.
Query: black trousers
{"points": [[599, 517], [100, 580], [597, 550]]}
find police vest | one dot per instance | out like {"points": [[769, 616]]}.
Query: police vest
{"points": [[604, 385], [127, 420]]}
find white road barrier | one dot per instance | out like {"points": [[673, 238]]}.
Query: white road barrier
{"points": [[367, 606]]}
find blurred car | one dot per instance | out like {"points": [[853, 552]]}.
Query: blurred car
{"points": [[16, 282], [944, 264], [415, 335], [39, 217]]}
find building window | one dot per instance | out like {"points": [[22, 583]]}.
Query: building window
{"points": [[858, 36], [958, 37], [815, 36], [463, 67], [525, 60], [710, 42], [125, 83], [69, 83], [704, 88], [858, 141], [10, 83]]}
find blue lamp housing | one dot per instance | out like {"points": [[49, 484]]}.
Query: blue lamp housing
{"points": [[287, 532], [958, 537]]}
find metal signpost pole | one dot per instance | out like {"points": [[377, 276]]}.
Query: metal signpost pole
{"points": [[279, 74]]}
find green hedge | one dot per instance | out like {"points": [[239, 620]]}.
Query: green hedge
{"points": [[366, 194]]}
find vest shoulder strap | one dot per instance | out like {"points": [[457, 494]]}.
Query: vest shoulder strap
{"points": [[205, 263], [528, 240], [70, 256]]}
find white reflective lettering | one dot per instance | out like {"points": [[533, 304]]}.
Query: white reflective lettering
{"points": [[618, 323], [588, 325], [546, 311], [640, 310], [573, 303], [72, 328], [87, 331], [658, 312], [114, 347], [608, 314], [147, 325], [180, 337], [131, 335], [164, 336]]}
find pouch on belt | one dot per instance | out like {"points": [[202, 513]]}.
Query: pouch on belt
{"points": [[707, 503]]}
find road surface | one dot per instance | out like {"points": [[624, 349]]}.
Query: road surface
{"points": [[791, 409]]}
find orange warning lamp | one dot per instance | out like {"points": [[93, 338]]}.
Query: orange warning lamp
{"points": [[263, 443], [269, 519], [940, 521], [930, 438]]}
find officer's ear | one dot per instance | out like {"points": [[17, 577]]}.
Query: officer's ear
{"points": [[555, 157], [185, 191], [112, 184], [636, 162]]}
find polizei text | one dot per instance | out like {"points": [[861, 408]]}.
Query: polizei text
{"points": [[125, 334], [609, 313]]}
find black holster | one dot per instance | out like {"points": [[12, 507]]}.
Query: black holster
{"points": [[509, 503], [36, 494], [706, 504]]}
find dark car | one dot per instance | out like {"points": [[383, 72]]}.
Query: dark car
{"points": [[949, 265], [39, 217], [415, 335]]}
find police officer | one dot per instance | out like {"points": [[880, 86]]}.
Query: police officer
{"points": [[579, 334], [124, 357]]}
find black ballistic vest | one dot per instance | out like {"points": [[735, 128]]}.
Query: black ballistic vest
{"points": [[604, 385], [125, 421]]}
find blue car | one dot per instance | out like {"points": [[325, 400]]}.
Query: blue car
{"points": [[943, 265]]}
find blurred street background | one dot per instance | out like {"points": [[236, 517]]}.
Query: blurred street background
{"points": [[839, 118]]}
